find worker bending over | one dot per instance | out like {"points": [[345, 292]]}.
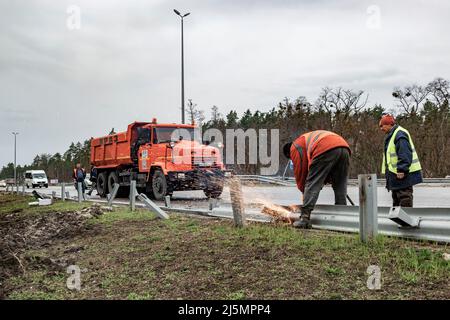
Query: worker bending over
{"points": [[319, 157]]}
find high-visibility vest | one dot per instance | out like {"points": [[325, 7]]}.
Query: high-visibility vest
{"points": [[391, 156], [312, 138]]}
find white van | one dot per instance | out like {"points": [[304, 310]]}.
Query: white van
{"points": [[36, 178]]}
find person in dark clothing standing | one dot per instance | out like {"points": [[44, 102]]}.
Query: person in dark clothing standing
{"points": [[93, 179], [319, 157], [400, 162], [79, 174]]}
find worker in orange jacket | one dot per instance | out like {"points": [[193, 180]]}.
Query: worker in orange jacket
{"points": [[78, 175], [319, 157]]}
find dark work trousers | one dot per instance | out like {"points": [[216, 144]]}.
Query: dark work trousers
{"points": [[331, 166], [83, 185], [403, 197]]}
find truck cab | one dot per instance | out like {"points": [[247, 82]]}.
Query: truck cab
{"points": [[162, 158]]}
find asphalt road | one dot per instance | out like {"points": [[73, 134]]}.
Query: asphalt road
{"points": [[424, 196]]}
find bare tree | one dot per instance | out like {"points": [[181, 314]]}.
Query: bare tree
{"points": [[439, 91], [410, 98], [195, 115], [439, 95], [215, 114], [340, 104], [340, 100]]}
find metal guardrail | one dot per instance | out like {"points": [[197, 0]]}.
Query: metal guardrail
{"points": [[290, 181], [425, 180], [434, 223], [267, 179]]}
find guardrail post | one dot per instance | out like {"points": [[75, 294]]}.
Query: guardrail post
{"points": [[53, 194], [237, 202], [152, 206], [23, 189], [213, 203], [167, 201], [133, 195], [80, 191], [17, 189], [285, 170], [63, 191], [368, 209], [113, 194]]}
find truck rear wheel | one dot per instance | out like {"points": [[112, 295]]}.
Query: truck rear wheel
{"points": [[113, 179], [102, 184], [159, 185]]}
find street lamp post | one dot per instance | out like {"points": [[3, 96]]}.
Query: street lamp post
{"points": [[15, 157], [182, 16]]}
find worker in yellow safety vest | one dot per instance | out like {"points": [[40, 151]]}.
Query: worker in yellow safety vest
{"points": [[401, 164]]}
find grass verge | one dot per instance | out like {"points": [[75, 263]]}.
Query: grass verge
{"points": [[133, 255]]}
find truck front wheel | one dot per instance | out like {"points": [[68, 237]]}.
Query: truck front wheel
{"points": [[159, 185], [214, 192], [102, 184]]}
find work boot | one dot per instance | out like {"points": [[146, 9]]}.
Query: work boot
{"points": [[305, 221]]}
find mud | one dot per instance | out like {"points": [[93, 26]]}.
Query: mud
{"points": [[21, 232]]}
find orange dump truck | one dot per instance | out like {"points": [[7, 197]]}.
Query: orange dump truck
{"points": [[161, 158]]}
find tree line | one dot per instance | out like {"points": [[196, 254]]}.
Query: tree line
{"points": [[57, 166], [422, 109]]}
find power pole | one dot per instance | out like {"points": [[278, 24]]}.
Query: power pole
{"points": [[15, 157], [182, 62]]}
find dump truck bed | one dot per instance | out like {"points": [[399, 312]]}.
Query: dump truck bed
{"points": [[115, 149]]}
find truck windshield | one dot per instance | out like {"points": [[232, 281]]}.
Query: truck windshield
{"points": [[39, 176], [165, 135]]}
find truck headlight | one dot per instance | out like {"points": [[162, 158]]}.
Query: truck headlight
{"points": [[181, 176], [228, 174]]}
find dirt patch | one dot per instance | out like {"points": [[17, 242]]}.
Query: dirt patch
{"points": [[190, 258], [22, 231]]}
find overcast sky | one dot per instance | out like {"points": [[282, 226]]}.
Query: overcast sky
{"points": [[60, 83]]}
